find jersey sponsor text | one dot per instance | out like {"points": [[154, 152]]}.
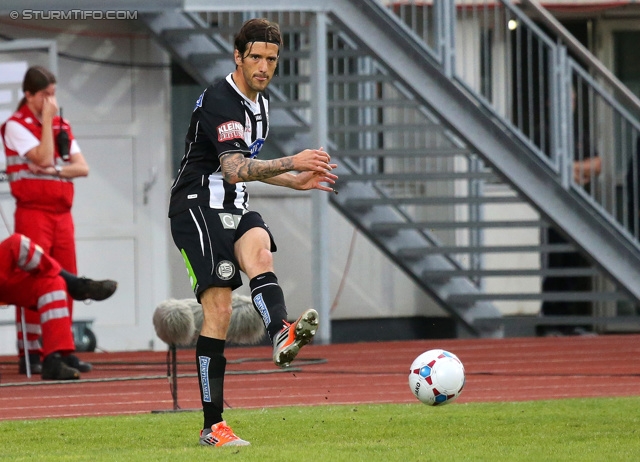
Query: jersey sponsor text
{"points": [[230, 130]]}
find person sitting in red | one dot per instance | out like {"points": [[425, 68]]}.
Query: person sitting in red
{"points": [[31, 278], [42, 159]]}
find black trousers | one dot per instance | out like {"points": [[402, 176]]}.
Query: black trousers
{"points": [[565, 284]]}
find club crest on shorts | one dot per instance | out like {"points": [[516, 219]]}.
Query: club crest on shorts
{"points": [[225, 270]]}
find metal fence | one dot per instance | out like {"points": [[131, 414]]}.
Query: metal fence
{"points": [[535, 79]]}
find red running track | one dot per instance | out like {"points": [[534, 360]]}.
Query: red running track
{"points": [[514, 369]]}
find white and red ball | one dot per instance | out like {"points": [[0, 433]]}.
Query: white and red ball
{"points": [[436, 377]]}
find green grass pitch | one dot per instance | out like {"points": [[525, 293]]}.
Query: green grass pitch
{"points": [[602, 429]]}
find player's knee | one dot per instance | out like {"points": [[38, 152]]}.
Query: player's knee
{"points": [[261, 262], [216, 317], [264, 258]]}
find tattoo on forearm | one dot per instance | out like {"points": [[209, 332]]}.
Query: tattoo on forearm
{"points": [[239, 168]]}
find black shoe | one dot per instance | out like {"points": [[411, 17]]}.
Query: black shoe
{"points": [[34, 362], [75, 362], [88, 289], [54, 368]]}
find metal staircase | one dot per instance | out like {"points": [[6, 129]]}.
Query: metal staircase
{"points": [[427, 151]]}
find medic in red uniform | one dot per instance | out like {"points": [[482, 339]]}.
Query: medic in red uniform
{"points": [[42, 159], [31, 278]]}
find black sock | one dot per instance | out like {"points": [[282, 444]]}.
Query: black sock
{"points": [[268, 300], [211, 364]]}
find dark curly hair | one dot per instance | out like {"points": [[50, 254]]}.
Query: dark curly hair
{"points": [[257, 30]]}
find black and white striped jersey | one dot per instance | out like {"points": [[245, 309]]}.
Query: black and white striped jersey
{"points": [[223, 121]]}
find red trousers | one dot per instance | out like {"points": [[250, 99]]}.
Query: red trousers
{"points": [[55, 233], [30, 278]]}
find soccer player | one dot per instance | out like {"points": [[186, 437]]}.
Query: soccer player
{"points": [[32, 279], [212, 226]]}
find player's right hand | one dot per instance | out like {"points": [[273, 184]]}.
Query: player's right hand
{"points": [[313, 160]]}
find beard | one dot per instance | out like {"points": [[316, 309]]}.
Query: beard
{"points": [[253, 84]]}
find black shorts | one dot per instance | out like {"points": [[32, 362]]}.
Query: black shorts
{"points": [[205, 238]]}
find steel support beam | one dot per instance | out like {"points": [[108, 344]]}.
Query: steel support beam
{"points": [[320, 202]]}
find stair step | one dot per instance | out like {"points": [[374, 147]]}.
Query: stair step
{"points": [[435, 200], [542, 272], [486, 224], [183, 33], [422, 176], [342, 79], [335, 104], [360, 78], [379, 103], [386, 128], [387, 228], [418, 252], [287, 130], [201, 27], [557, 320], [469, 299], [208, 57], [421, 152]]}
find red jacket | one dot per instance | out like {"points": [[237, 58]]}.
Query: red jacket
{"points": [[44, 192]]}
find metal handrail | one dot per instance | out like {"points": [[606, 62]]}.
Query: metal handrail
{"points": [[583, 53]]}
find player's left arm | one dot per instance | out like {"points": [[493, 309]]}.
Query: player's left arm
{"points": [[236, 168], [305, 180]]}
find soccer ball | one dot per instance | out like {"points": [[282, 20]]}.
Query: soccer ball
{"points": [[436, 377]]}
